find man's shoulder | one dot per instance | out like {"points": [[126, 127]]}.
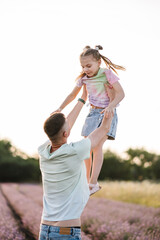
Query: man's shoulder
{"points": [[80, 142], [81, 146]]}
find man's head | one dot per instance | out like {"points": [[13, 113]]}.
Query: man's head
{"points": [[56, 127]]}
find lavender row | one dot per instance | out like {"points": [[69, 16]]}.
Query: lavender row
{"points": [[28, 210], [110, 220], [102, 219], [32, 191], [9, 228], [106, 219]]}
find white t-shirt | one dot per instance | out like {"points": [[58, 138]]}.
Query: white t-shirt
{"points": [[65, 186]]}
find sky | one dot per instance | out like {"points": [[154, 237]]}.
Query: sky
{"points": [[40, 44]]}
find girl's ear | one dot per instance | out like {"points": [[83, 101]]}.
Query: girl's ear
{"points": [[99, 61]]}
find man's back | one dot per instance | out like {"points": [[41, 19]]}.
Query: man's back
{"points": [[65, 186]]}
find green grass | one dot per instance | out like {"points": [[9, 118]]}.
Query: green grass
{"points": [[146, 193]]}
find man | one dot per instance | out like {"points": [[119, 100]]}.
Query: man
{"points": [[65, 186]]}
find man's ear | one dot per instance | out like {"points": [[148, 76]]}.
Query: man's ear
{"points": [[65, 134]]}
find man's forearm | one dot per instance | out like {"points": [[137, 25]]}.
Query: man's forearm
{"points": [[74, 113], [97, 135]]}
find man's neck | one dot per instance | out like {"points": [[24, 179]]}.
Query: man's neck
{"points": [[55, 146]]}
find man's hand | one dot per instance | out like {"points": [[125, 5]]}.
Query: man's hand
{"points": [[108, 112]]}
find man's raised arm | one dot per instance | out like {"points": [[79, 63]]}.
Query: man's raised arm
{"points": [[72, 116], [97, 135]]}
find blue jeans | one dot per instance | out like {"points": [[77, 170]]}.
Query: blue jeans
{"points": [[57, 233]]}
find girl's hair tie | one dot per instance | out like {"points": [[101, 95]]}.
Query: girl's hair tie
{"points": [[98, 47]]}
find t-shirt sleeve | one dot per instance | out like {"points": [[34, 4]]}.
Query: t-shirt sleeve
{"points": [[79, 82], [111, 77], [82, 148]]}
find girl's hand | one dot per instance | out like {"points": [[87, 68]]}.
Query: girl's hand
{"points": [[84, 93], [108, 112]]}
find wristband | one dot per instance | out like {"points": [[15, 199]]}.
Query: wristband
{"points": [[81, 100]]}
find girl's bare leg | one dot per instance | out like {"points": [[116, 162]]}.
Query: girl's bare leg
{"points": [[88, 163], [97, 161]]}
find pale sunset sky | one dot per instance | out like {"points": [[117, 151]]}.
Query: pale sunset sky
{"points": [[40, 44]]}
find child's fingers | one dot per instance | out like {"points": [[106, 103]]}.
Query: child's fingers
{"points": [[106, 114], [102, 111], [112, 113]]}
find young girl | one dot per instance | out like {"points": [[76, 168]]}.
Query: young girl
{"points": [[104, 92]]}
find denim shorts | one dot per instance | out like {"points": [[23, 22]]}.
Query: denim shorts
{"points": [[54, 233], [94, 120]]}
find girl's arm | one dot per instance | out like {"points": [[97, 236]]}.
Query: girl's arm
{"points": [[69, 98], [118, 95]]}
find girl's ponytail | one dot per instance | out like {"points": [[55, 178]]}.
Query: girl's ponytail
{"points": [[111, 65], [87, 51]]}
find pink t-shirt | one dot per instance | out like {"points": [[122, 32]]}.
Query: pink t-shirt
{"points": [[95, 86]]}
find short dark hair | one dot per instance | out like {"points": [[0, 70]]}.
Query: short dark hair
{"points": [[54, 124]]}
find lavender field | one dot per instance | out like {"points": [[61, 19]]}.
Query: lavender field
{"points": [[103, 219]]}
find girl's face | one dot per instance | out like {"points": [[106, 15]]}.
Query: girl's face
{"points": [[90, 65]]}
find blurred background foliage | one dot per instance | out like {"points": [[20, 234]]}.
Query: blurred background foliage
{"points": [[16, 166], [137, 165]]}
